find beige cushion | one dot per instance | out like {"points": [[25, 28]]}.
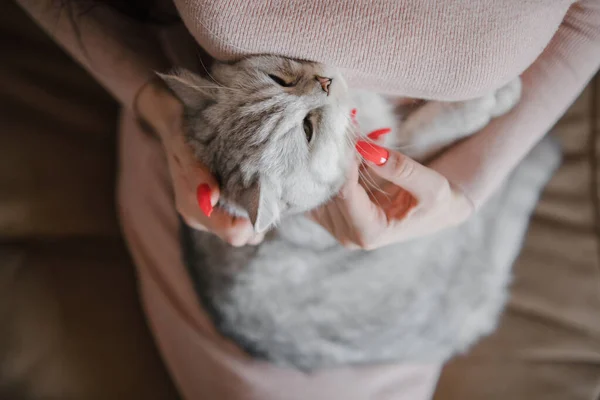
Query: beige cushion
{"points": [[548, 344], [71, 326], [57, 147]]}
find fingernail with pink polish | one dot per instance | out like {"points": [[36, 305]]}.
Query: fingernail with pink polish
{"points": [[372, 152], [203, 197]]}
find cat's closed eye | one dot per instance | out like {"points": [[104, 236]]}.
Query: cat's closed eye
{"points": [[281, 82], [307, 125]]}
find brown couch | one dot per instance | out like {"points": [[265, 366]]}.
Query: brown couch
{"points": [[71, 326]]}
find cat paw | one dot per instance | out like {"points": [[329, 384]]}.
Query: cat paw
{"points": [[507, 97]]}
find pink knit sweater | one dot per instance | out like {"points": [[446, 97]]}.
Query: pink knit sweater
{"points": [[446, 50], [443, 50]]}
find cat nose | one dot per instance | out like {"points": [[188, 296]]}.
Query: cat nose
{"points": [[325, 83]]}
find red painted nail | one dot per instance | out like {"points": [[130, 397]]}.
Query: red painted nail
{"points": [[371, 152], [353, 114], [203, 196], [379, 133]]}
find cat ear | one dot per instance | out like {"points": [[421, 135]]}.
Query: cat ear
{"points": [[260, 201], [190, 88]]}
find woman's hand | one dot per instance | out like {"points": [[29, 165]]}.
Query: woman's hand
{"points": [[196, 191], [414, 201]]}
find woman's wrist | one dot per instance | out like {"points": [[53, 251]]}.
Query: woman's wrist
{"points": [[158, 109]]}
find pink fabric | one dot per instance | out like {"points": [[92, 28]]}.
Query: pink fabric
{"points": [[438, 50], [426, 49]]}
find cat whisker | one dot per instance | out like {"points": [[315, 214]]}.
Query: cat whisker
{"points": [[206, 69], [401, 147], [369, 186], [366, 175], [214, 87], [218, 85], [369, 182]]}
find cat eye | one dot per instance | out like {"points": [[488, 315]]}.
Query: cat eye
{"points": [[308, 128], [281, 82]]}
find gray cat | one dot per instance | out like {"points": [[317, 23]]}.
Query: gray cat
{"points": [[277, 135]]}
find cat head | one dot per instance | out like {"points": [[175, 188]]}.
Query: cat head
{"points": [[272, 130]]}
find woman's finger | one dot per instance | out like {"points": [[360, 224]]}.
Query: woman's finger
{"points": [[229, 228], [401, 170], [363, 218], [197, 177], [323, 217], [330, 219], [204, 185]]}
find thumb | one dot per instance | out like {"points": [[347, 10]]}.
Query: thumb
{"points": [[419, 180]]}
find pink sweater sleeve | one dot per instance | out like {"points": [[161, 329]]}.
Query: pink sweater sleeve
{"points": [[120, 53], [479, 164]]}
